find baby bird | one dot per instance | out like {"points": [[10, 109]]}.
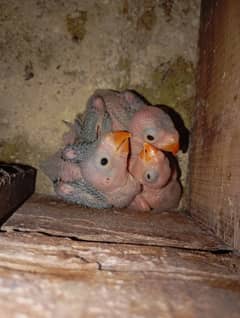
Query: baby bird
{"points": [[84, 131], [121, 106], [160, 187], [92, 170], [152, 125], [147, 123], [103, 166], [128, 111]]}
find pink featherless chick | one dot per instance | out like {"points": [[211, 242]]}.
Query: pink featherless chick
{"points": [[105, 180], [160, 188], [154, 126], [85, 130]]}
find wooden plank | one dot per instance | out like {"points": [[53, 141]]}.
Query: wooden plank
{"points": [[131, 281], [56, 217], [116, 294], [38, 253], [214, 158], [17, 183]]}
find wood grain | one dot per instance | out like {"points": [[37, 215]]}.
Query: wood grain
{"points": [[129, 281], [214, 159], [55, 217], [38, 253]]}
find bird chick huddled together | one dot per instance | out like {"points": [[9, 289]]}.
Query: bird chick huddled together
{"points": [[118, 153]]}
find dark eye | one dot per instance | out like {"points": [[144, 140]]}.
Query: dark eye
{"points": [[148, 176], [150, 137], [104, 161], [151, 175]]}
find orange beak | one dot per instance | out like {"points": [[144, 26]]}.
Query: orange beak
{"points": [[171, 144], [174, 147], [121, 141], [148, 152]]}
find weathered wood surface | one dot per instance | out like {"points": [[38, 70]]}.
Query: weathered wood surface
{"points": [[215, 151], [39, 253], [17, 183], [113, 280], [55, 217], [116, 294]]}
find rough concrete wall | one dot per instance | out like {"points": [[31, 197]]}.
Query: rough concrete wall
{"points": [[54, 54]]}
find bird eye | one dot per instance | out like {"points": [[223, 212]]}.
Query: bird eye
{"points": [[150, 137], [150, 134], [151, 176], [104, 161], [148, 176]]}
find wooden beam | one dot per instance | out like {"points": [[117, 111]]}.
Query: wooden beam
{"points": [[214, 159]]}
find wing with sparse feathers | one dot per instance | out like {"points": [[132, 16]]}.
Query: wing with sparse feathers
{"points": [[83, 193]]}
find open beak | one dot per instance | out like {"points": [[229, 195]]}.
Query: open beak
{"points": [[148, 152], [121, 141]]}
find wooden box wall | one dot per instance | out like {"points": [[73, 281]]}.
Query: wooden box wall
{"points": [[214, 158]]}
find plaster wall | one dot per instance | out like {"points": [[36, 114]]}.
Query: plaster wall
{"points": [[54, 54]]}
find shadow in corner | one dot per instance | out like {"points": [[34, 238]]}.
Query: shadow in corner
{"points": [[180, 126]]}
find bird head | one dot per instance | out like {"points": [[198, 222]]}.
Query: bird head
{"points": [[153, 126], [106, 168], [151, 167]]}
